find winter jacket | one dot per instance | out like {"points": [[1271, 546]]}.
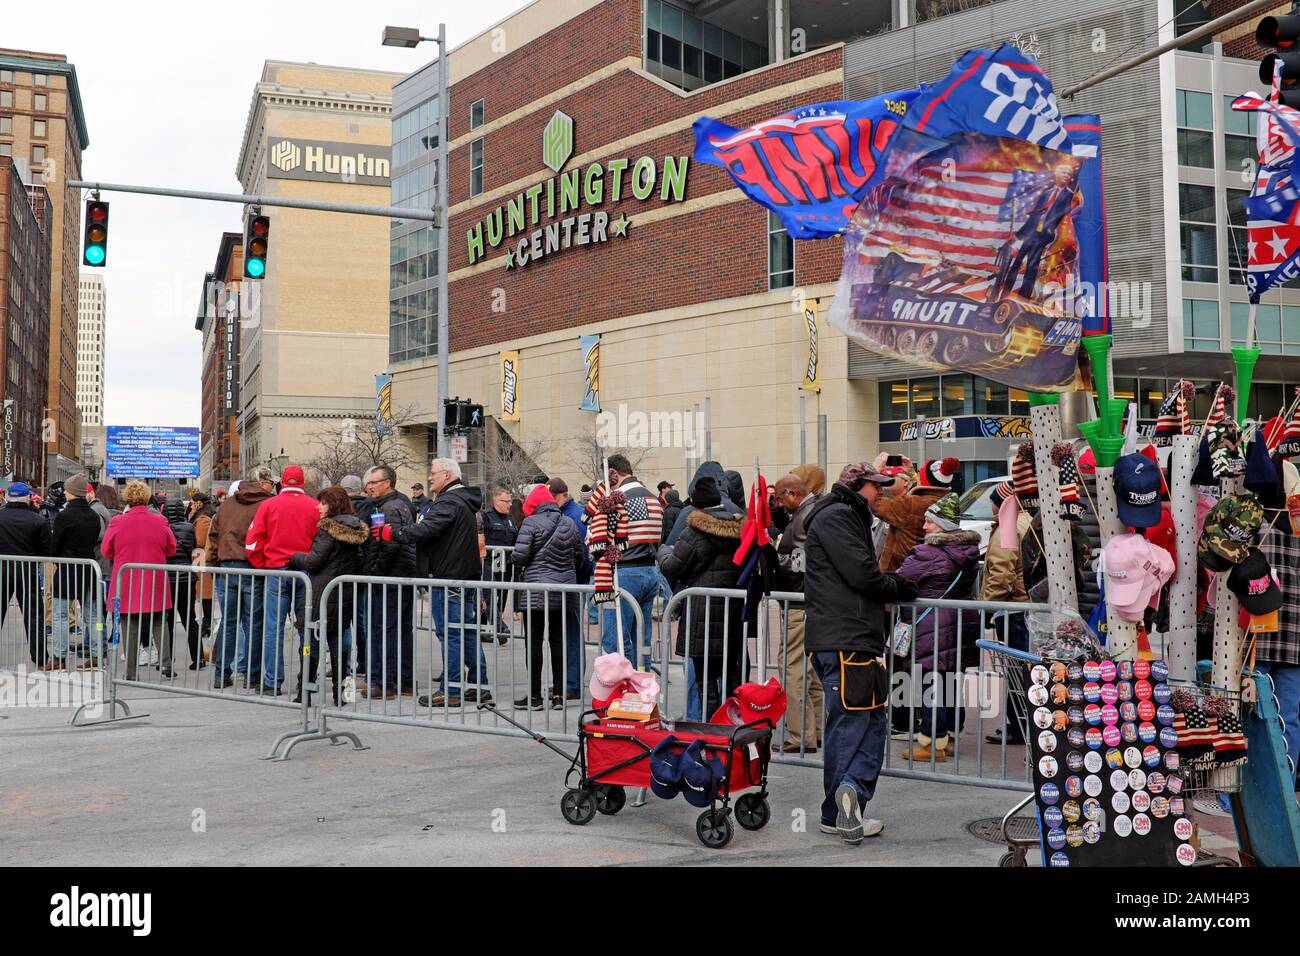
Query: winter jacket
{"points": [[499, 530], [845, 592], [23, 531], [1003, 578], [76, 533], [202, 526], [139, 536], [905, 516], [790, 549], [335, 551], [421, 505], [549, 551], [734, 489], [573, 511], [672, 508], [710, 469], [105, 516], [281, 528], [1033, 560], [395, 558], [186, 541], [226, 540], [944, 565], [702, 557], [446, 541]]}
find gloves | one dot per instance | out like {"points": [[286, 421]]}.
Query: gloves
{"points": [[382, 532], [906, 589]]}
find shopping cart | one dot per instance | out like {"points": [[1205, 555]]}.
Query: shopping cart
{"points": [[1020, 834]]}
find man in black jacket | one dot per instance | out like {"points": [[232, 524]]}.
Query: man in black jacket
{"points": [[76, 532], [845, 594], [446, 543], [387, 657], [499, 533], [24, 533]]}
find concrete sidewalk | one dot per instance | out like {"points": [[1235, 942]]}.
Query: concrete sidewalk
{"points": [[184, 787]]}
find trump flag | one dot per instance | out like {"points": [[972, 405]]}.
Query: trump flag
{"points": [[1273, 206]]}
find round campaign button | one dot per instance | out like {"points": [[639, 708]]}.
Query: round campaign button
{"points": [[1125, 689], [1168, 737], [1141, 824], [1039, 674], [1147, 732], [1056, 838], [1142, 690], [1074, 672], [1094, 737], [1047, 741], [1092, 761], [1129, 732], [1042, 718], [1132, 758], [1091, 831], [1114, 759], [1091, 670], [1092, 785], [1109, 694], [1137, 779], [1171, 760], [1159, 671], [1070, 810], [1124, 669], [1108, 670], [1049, 793], [1109, 715], [1128, 711], [1059, 695], [1161, 693], [1156, 782], [1060, 859], [1092, 809], [1146, 710], [1160, 807], [1092, 714], [1075, 715], [1141, 801], [1074, 694], [1151, 755], [1186, 854], [1122, 826], [1176, 806], [1047, 766], [1073, 786], [1059, 720], [1165, 714], [1053, 817], [1074, 835], [1120, 802], [1118, 780], [1074, 737], [1111, 736], [1074, 760], [1174, 784], [1141, 668], [1183, 829], [1058, 670], [1092, 691], [1038, 695]]}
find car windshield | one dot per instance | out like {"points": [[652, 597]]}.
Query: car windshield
{"points": [[977, 503]]}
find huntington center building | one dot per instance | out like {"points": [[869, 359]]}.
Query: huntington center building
{"points": [[595, 265]]}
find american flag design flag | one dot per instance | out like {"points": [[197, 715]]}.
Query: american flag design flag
{"points": [[1195, 730], [1218, 411], [1229, 739], [1071, 507], [1287, 439], [638, 520], [1273, 207], [1173, 418]]}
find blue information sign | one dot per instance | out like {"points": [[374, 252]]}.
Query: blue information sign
{"points": [[152, 451]]}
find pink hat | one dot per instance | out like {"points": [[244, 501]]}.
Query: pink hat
{"points": [[1127, 559], [644, 682], [608, 672]]}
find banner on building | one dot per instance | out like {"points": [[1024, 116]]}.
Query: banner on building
{"points": [[590, 373], [812, 369], [383, 403], [509, 386]]}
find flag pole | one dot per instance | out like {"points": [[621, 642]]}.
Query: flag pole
{"points": [[618, 598]]}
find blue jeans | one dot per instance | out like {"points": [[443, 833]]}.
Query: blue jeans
{"points": [[459, 644], [573, 643], [1286, 686], [241, 620], [642, 582], [694, 709], [283, 595], [853, 741], [92, 620]]}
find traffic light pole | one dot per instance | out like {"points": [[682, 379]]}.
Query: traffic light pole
{"points": [[440, 225]]}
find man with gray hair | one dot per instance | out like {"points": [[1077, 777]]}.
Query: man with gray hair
{"points": [[387, 658]]}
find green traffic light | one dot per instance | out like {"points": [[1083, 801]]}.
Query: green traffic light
{"points": [[255, 268], [94, 255]]}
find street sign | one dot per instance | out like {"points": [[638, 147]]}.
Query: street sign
{"points": [[459, 448]]}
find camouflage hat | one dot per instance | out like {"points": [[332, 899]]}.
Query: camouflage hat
{"points": [[1230, 527], [946, 513], [858, 473]]}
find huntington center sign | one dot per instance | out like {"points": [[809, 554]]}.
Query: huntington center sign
{"points": [[561, 212]]}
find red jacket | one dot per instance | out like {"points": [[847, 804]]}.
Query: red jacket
{"points": [[283, 526], [137, 536]]}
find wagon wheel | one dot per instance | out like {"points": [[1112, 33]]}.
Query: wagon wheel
{"points": [[578, 807], [714, 829], [752, 811], [610, 799], [1012, 858]]}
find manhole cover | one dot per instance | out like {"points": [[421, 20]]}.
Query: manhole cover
{"points": [[1021, 829]]}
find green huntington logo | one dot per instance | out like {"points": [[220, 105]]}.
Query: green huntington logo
{"points": [[542, 211]]}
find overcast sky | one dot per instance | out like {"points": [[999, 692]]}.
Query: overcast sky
{"points": [[166, 88]]}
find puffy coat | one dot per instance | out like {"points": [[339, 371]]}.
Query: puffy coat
{"points": [[446, 540], [182, 531], [138, 536], [672, 508], [1003, 579], [702, 557], [708, 469], [395, 558], [76, 533], [335, 551], [23, 531], [226, 540], [573, 511], [549, 551], [944, 565], [1033, 560], [905, 516], [845, 592]]}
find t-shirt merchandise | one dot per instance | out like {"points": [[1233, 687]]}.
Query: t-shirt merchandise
{"points": [[1106, 777]]}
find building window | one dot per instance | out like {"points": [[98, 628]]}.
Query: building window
{"points": [[6, 149], [780, 254], [893, 401], [39, 102], [476, 167], [1201, 325], [690, 52], [38, 128], [6, 76], [1197, 232], [40, 79], [38, 154], [1239, 153], [1277, 331], [1237, 239], [991, 398], [476, 114], [958, 394], [925, 397], [1195, 123], [7, 99], [6, 124]]}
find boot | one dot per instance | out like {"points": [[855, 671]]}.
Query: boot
{"points": [[925, 746]]}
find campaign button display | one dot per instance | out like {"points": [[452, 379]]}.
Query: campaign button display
{"points": [[1094, 737], [1111, 736], [1141, 801], [1161, 693], [1142, 824], [1074, 760], [1058, 670], [1109, 694], [1056, 838], [1168, 737], [1151, 755], [1114, 759], [1172, 760], [1146, 710], [1142, 690], [1092, 691], [1042, 718], [1137, 779], [1053, 817], [1092, 785], [1160, 807], [1047, 766], [1092, 809], [1075, 715], [1108, 670], [1074, 737], [1074, 693], [1118, 780], [1091, 670], [1060, 694], [1186, 854], [1073, 785], [1159, 671], [1074, 672], [1132, 758], [1092, 714], [1165, 714], [1128, 712], [1141, 668], [1120, 801], [1147, 732], [1059, 720], [1125, 690], [1129, 732], [1049, 793], [1174, 784], [1060, 859], [1038, 695], [1091, 831], [1121, 825], [1156, 782], [1176, 806], [1092, 761], [1047, 741], [1074, 835], [1109, 715], [1071, 811], [1039, 674], [1124, 669], [1183, 829]]}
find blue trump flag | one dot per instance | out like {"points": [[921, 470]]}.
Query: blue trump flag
{"points": [[1090, 222], [811, 166]]}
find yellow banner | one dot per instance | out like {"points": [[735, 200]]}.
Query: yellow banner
{"points": [[812, 371], [509, 386]]}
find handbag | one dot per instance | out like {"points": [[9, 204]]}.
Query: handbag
{"points": [[902, 640]]}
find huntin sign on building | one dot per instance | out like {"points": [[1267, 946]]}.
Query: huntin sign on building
{"points": [[336, 162], [547, 205]]}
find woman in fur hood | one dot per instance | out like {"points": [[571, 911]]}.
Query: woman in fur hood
{"points": [[944, 564]]}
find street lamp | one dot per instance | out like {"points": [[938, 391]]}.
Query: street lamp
{"points": [[409, 37]]}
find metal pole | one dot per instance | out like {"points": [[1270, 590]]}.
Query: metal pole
{"points": [[359, 209], [1214, 26], [920, 441], [441, 223], [803, 430], [708, 428], [821, 445]]}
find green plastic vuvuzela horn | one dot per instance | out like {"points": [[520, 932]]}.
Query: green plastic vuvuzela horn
{"points": [[1245, 360], [1098, 347]]}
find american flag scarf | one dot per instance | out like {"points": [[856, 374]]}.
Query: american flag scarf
{"points": [[629, 515]]}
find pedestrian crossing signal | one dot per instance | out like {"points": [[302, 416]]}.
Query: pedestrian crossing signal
{"points": [[95, 247], [256, 240]]}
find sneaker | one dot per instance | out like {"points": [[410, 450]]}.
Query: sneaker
{"points": [[349, 691], [871, 827], [557, 702], [829, 828], [523, 703], [848, 822], [151, 655], [272, 691], [218, 682]]}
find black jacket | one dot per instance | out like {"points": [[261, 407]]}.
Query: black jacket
{"points": [[703, 558], [395, 558], [708, 469], [446, 541], [183, 531], [550, 552], [671, 510], [845, 592], [335, 551], [499, 531], [76, 532], [23, 531], [790, 550]]}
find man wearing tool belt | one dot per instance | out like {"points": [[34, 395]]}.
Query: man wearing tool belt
{"points": [[845, 594]]}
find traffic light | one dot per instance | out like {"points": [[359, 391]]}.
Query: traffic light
{"points": [[256, 239], [1281, 34], [95, 248], [458, 413]]}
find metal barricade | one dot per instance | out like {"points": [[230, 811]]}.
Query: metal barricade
{"points": [[495, 610], [52, 634], [412, 651]]}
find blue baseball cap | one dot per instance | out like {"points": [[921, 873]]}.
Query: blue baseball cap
{"points": [[701, 775], [1137, 491], [665, 772], [18, 489]]}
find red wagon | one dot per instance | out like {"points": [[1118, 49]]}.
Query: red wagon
{"points": [[612, 758]]}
